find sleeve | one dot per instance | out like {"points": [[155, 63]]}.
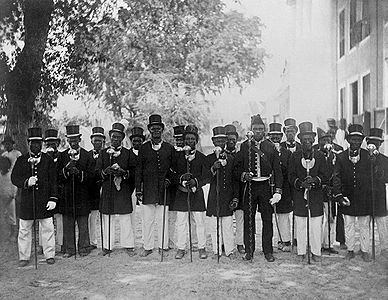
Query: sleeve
{"points": [[62, 174], [19, 174], [238, 166], [292, 174], [337, 182], [205, 172], [53, 184], [139, 169], [277, 171], [99, 168]]}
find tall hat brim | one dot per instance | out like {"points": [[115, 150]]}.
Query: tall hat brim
{"points": [[300, 134], [52, 138], [35, 138], [375, 138], [161, 124], [73, 135], [356, 133], [98, 134], [290, 126], [219, 135], [116, 130], [275, 132], [137, 135]]}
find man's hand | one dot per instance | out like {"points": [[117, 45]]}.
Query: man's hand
{"points": [[167, 183], [233, 204], [216, 165], [191, 183], [139, 196], [108, 171], [186, 177], [32, 181], [275, 198], [51, 205], [248, 176], [74, 171]]}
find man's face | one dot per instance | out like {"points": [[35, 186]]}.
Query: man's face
{"points": [[190, 140], [290, 134], [231, 142], [332, 132], [355, 142], [52, 144], [323, 141], [219, 142], [377, 143], [156, 131], [116, 138], [307, 142], [74, 142], [258, 131], [276, 138], [8, 146], [35, 146], [98, 143], [136, 142], [179, 141]]}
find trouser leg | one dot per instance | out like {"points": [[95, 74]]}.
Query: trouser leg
{"points": [[25, 239], [301, 237], [127, 239], [159, 219], [48, 237], [148, 226], [239, 216], [349, 225], [315, 235], [364, 224], [83, 234], [182, 229], [285, 226]]}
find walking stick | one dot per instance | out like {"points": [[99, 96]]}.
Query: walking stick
{"points": [[164, 220], [328, 222], [110, 200], [293, 230], [251, 240], [187, 150], [72, 153], [33, 162], [307, 191], [272, 184], [217, 152], [372, 154]]}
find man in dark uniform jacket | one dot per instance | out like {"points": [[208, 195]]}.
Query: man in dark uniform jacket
{"points": [[290, 130], [137, 138], [284, 207], [35, 175], [380, 179], [254, 166], [74, 169], [222, 163], [116, 168], [352, 187], [330, 151], [307, 173], [152, 172], [231, 150], [98, 141], [190, 173]]}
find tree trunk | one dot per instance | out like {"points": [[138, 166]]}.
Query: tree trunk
{"points": [[23, 81]]}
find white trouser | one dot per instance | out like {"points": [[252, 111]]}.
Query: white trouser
{"points": [[152, 212], [225, 234], [10, 211], [127, 239], [239, 216], [284, 226], [314, 234], [325, 227], [25, 238], [350, 232], [171, 226], [59, 229], [382, 229], [93, 234], [182, 224]]}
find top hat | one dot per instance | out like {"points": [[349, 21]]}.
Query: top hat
{"points": [[322, 133], [98, 131], [137, 132], [375, 134], [355, 129], [306, 128], [275, 128], [72, 131], [290, 123], [179, 130], [155, 120], [8, 139], [191, 129], [230, 129], [256, 119], [331, 122], [219, 131], [35, 134], [117, 127], [51, 135]]}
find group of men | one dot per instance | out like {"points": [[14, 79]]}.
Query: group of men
{"points": [[305, 186]]}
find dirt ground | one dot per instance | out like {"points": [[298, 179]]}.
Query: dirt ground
{"points": [[122, 277]]}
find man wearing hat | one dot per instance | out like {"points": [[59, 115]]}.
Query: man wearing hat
{"points": [[178, 137], [34, 173], [307, 173], [116, 168], [255, 163], [152, 172], [380, 163], [338, 135], [290, 130], [74, 169], [97, 139], [352, 189], [190, 174], [284, 207], [10, 200], [231, 150], [51, 142], [137, 138]]}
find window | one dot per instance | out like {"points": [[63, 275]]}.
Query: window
{"points": [[354, 97], [359, 21], [342, 33], [366, 92], [342, 103]]}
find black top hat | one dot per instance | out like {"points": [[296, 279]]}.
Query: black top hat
{"points": [[72, 131], [179, 130], [97, 131], [275, 128], [137, 132], [231, 129], [117, 127], [191, 129], [219, 131], [290, 123], [306, 128], [375, 134], [8, 139], [256, 119], [355, 129], [35, 134], [322, 133], [51, 135], [155, 120]]}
